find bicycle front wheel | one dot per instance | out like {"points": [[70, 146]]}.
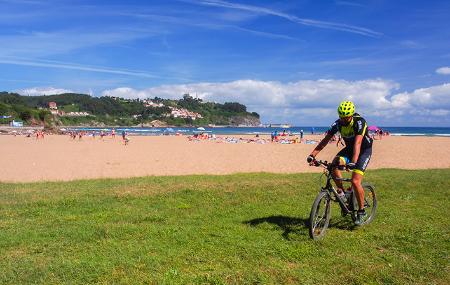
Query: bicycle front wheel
{"points": [[319, 217]]}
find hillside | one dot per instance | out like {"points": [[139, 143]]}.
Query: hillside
{"points": [[81, 109]]}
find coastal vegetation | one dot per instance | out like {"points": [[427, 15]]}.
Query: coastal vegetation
{"points": [[233, 229], [82, 109]]}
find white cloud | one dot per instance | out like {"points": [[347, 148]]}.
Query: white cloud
{"points": [[431, 98], [37, 91], [315, 101], [443, 70], [306, 93]]}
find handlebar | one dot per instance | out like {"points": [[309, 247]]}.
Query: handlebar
{"points": [[324, 163], [318, 163]]}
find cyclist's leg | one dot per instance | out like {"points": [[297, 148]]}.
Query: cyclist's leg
{"points": [[358, 174], [340, 159], [337, 174], [359, 191]]}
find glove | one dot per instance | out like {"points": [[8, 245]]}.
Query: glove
{"points": [[351, 165], [310, 159]]}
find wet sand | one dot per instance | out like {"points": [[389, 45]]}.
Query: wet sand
{"points": [[58, 158]]}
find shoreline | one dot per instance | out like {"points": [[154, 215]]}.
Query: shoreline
{"points": [[222, 130]]}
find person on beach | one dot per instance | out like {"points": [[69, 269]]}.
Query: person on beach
{"points": [[301, 136], [356, 154], [125, 138], [339, 141]]}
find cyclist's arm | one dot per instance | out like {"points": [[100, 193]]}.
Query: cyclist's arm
{"points": [[321, 145], [357, 148]]}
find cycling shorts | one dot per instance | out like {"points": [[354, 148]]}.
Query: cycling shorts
{"points": [[346, 154]]}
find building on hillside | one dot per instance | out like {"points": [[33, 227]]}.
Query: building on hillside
{"points": [[16, 124], [183, 113], [76, 114], [150, 103], [52, 106]]}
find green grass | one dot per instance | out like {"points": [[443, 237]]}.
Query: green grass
{"points": [[237, 229]]}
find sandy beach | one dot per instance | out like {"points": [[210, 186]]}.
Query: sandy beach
{"points": [[58, 158]]}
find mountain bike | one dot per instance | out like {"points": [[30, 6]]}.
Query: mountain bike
{"points": [[319, 218]]}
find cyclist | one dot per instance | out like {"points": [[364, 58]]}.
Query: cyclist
{"points": [[355, 155]]}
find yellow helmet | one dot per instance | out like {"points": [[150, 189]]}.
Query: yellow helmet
{"points": [[346, 109]]}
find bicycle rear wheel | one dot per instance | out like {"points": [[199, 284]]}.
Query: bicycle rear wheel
{"points": [[370, 204], [319, 217]]}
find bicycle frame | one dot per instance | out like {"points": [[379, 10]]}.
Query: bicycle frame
{"points": [[329, 187]]}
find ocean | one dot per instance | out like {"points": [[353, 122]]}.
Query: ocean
{"points": [[397, 131]]}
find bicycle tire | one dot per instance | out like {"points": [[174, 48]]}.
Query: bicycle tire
{"points": [[370, 204], [317, 228]]}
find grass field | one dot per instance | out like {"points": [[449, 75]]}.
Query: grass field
{"points": [[236, 229]]}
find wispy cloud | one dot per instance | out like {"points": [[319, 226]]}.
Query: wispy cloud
{"points": [[411, 44], [38, 44], [64, 65], [264, 34], [28, 81], [289, 17], [37, 91], [349, 61], [34, 2], [204, 23], [348, 3]]}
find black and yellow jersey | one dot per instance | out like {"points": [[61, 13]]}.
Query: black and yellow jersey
{"points": [[357, 126]]}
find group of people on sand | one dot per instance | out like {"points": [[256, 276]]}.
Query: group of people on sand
{"points": [[256, 139], [39, 134], [218, 139], [379, 134], [102, 134]]}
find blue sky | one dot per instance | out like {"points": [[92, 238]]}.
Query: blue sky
{"points": [[290, 61]]}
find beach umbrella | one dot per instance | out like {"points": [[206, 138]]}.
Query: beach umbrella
{"points": [[201, 128], [373, 128]]}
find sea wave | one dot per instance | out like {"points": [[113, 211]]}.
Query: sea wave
{"points": [[408, 134], [420, 135]]}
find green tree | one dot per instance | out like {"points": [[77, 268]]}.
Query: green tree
{"points": [[42, 114], [25, 115], [234, 107]]}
